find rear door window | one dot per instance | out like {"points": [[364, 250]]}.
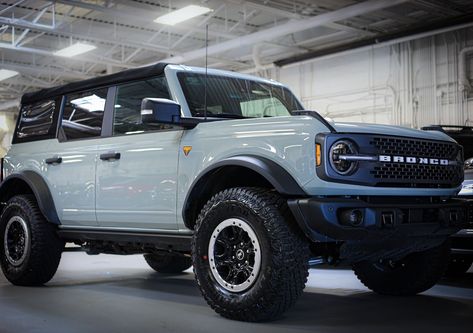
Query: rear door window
{"points": [[83, 114]]}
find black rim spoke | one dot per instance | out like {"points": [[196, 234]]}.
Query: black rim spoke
{"points": [[15, 241], [234, 255], [224, 263]]}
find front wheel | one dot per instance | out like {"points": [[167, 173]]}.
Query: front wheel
{"points": [[411, 275], [250, 260]]}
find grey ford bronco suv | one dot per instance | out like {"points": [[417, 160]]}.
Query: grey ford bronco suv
{"points": [[228, 173]]}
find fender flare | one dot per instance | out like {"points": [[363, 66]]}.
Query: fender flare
{"points": [[40, 190], [275, 174]]}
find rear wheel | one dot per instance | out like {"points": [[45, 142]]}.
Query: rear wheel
{"points": [[250, 260], [168, 263], [31, 248], [411, 275]]}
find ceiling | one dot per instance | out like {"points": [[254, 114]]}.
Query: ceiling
{"points": [[242, 35]]}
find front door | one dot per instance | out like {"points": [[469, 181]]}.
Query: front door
{"points": [[137, 165]]}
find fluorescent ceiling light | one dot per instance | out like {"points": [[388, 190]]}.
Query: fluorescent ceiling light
{"points": [[6, 74], [75, 49], [182, 14], [90, 103]]}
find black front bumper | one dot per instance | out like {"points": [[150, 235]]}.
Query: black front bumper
{"points": [[322, 219]]}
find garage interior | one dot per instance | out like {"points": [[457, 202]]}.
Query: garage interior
{"points": [[396, 62]]}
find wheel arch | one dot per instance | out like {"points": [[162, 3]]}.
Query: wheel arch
{"points": [[30, 182], [237, 171]]}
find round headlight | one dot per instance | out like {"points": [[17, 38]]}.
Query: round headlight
{"points": [[339, 150]]}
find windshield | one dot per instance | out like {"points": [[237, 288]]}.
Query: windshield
{"points": [[236, 98]]}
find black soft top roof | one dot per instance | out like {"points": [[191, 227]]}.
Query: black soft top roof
{"points": [[101, 81]]}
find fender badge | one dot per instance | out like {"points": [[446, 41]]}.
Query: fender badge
{"points": [[187, 150]]}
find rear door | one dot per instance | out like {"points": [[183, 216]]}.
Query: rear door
{"points": [[137, 164], [70, 164]]}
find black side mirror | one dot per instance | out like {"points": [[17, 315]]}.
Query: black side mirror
{"points": [[160, 110], [164, 111]]}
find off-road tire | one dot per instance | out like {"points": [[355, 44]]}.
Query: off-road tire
{"points": [[284, 254], [413, 274], [458, 265], [168, 263], [43, 253]]}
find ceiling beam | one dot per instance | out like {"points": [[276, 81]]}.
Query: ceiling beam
{"points": [[98, 60], [45, 70], [143, 15], [286, 29], [110, 41], [296, 16], [8, 7]]}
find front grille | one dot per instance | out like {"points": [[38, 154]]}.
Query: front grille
{"points": [[436, 175], [415, 148], [417, 175]]}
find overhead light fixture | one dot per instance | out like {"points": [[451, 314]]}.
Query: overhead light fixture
{"points": [[75, 49], [6, 74], [182, 14]]}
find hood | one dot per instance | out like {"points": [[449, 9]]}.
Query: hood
{"points": [[390, 130]]}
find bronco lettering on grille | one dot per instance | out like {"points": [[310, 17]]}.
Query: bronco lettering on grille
{"points": [[413, 160]]}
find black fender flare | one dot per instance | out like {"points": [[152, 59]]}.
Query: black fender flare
{"points": [[274, 173], [40, 190]]}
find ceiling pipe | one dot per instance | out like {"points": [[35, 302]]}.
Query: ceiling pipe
{"points": [[464, 82], [30, 50], [256, 56], [352, 49], [288, 28]]}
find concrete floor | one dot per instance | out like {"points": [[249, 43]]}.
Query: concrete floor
{"points": [[121, 294]]}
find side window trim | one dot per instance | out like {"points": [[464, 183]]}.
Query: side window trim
{"points": [[107, 123], [59, 132]]}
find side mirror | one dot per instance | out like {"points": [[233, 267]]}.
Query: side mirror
{"points": [[164, 111], [469, 163], [160, 110]]}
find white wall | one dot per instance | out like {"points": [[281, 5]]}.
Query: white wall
{"points": [[413, 83]]}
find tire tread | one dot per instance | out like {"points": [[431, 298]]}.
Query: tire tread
{"points": [[288, 246]]}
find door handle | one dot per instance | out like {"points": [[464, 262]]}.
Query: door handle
{"points": [[110, 156], [53, 160]]}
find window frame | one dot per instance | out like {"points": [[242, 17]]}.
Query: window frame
{"points": [[60, 134], [111, 114], [53, 130], [181, 75]]}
